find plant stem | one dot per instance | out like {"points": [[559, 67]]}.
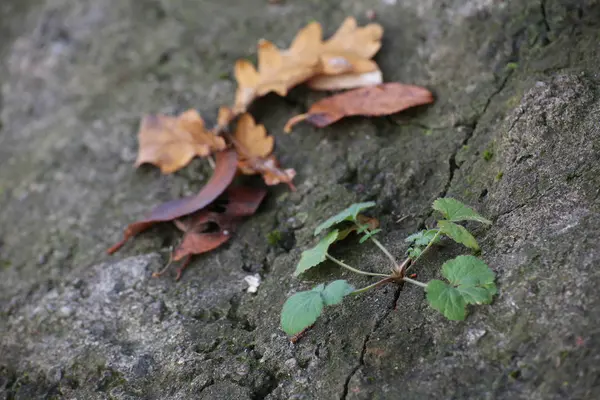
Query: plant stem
{"points": [[425, 249], [357, 271], [374, 285], [384, 250], [424, 285]]}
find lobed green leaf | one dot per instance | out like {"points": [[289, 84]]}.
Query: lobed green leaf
{"points": [[315, 256], [349, 214], [446, 299], [458, 233], [471, 282], [454, 210], [422, 238], [468, 270]]}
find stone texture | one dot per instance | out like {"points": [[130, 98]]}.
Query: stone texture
{"points": [[516, 80]]}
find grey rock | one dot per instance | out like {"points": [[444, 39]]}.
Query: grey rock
{"points": [[518, 79]]}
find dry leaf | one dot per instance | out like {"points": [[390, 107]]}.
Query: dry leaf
{"points": [[345, 81], [345, 58], [171, 142], [226, 166], [243, 201], [347, 52], [278, 71], [378, 100], [255, 146]]}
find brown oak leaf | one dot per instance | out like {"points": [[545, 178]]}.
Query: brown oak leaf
{"points": [[345, 59], [345, 55], [171, 142], [255, 147], [388, 98]]}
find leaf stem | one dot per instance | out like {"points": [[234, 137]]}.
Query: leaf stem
{"points": [[374, 285], [357, 271], [423, 285], [384, 250], [431, 242]]}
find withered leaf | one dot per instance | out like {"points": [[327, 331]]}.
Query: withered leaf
{"points": [[388, 98], [171, 142], [243, 201], [225, 169], [346, 54], [345, 58], [255, 147], [278, 71]]}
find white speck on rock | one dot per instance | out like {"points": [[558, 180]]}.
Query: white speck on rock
{"points": [[253, 282]]}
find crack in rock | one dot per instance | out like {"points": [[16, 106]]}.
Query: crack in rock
{"points": [[361, 358]]}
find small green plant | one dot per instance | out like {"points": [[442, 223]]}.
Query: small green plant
{"points": [[468, 279]]}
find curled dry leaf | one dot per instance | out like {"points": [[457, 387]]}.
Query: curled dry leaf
{"points": [[345, 55], [243, 201], [388, 98], [225, 169], [255, 148], [171, 142]]}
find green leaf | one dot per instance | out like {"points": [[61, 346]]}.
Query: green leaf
{"points": [[315, 256], [475, 295], [454, 210], [414, 252], [336, 291], [349, 214], [471, 282], [422, 238], [301, 311], [367, 236], [446, 300], [468, 270], [458, 233]]}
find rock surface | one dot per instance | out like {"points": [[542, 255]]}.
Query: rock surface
{"points": [[514, 131]]}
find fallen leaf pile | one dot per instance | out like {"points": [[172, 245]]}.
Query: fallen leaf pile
{"points": [[344, 61]]}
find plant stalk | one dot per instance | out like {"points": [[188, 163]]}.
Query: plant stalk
{"points": [[385, 251], [423, 285], [425, 249], [356, 271], [374, 285]]}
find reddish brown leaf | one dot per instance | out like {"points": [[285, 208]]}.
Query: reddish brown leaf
{"points": [[243, 201], [226, 166], [388, 98], [197, 243]]}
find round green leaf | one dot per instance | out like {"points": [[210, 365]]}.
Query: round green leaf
{"points": [[301, 311], [336, 291]]}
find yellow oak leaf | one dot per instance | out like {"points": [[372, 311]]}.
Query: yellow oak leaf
{"points": [[171, 142]]}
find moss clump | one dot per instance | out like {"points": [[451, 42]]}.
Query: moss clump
{"points": [[488, 154], [274, 237]]}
